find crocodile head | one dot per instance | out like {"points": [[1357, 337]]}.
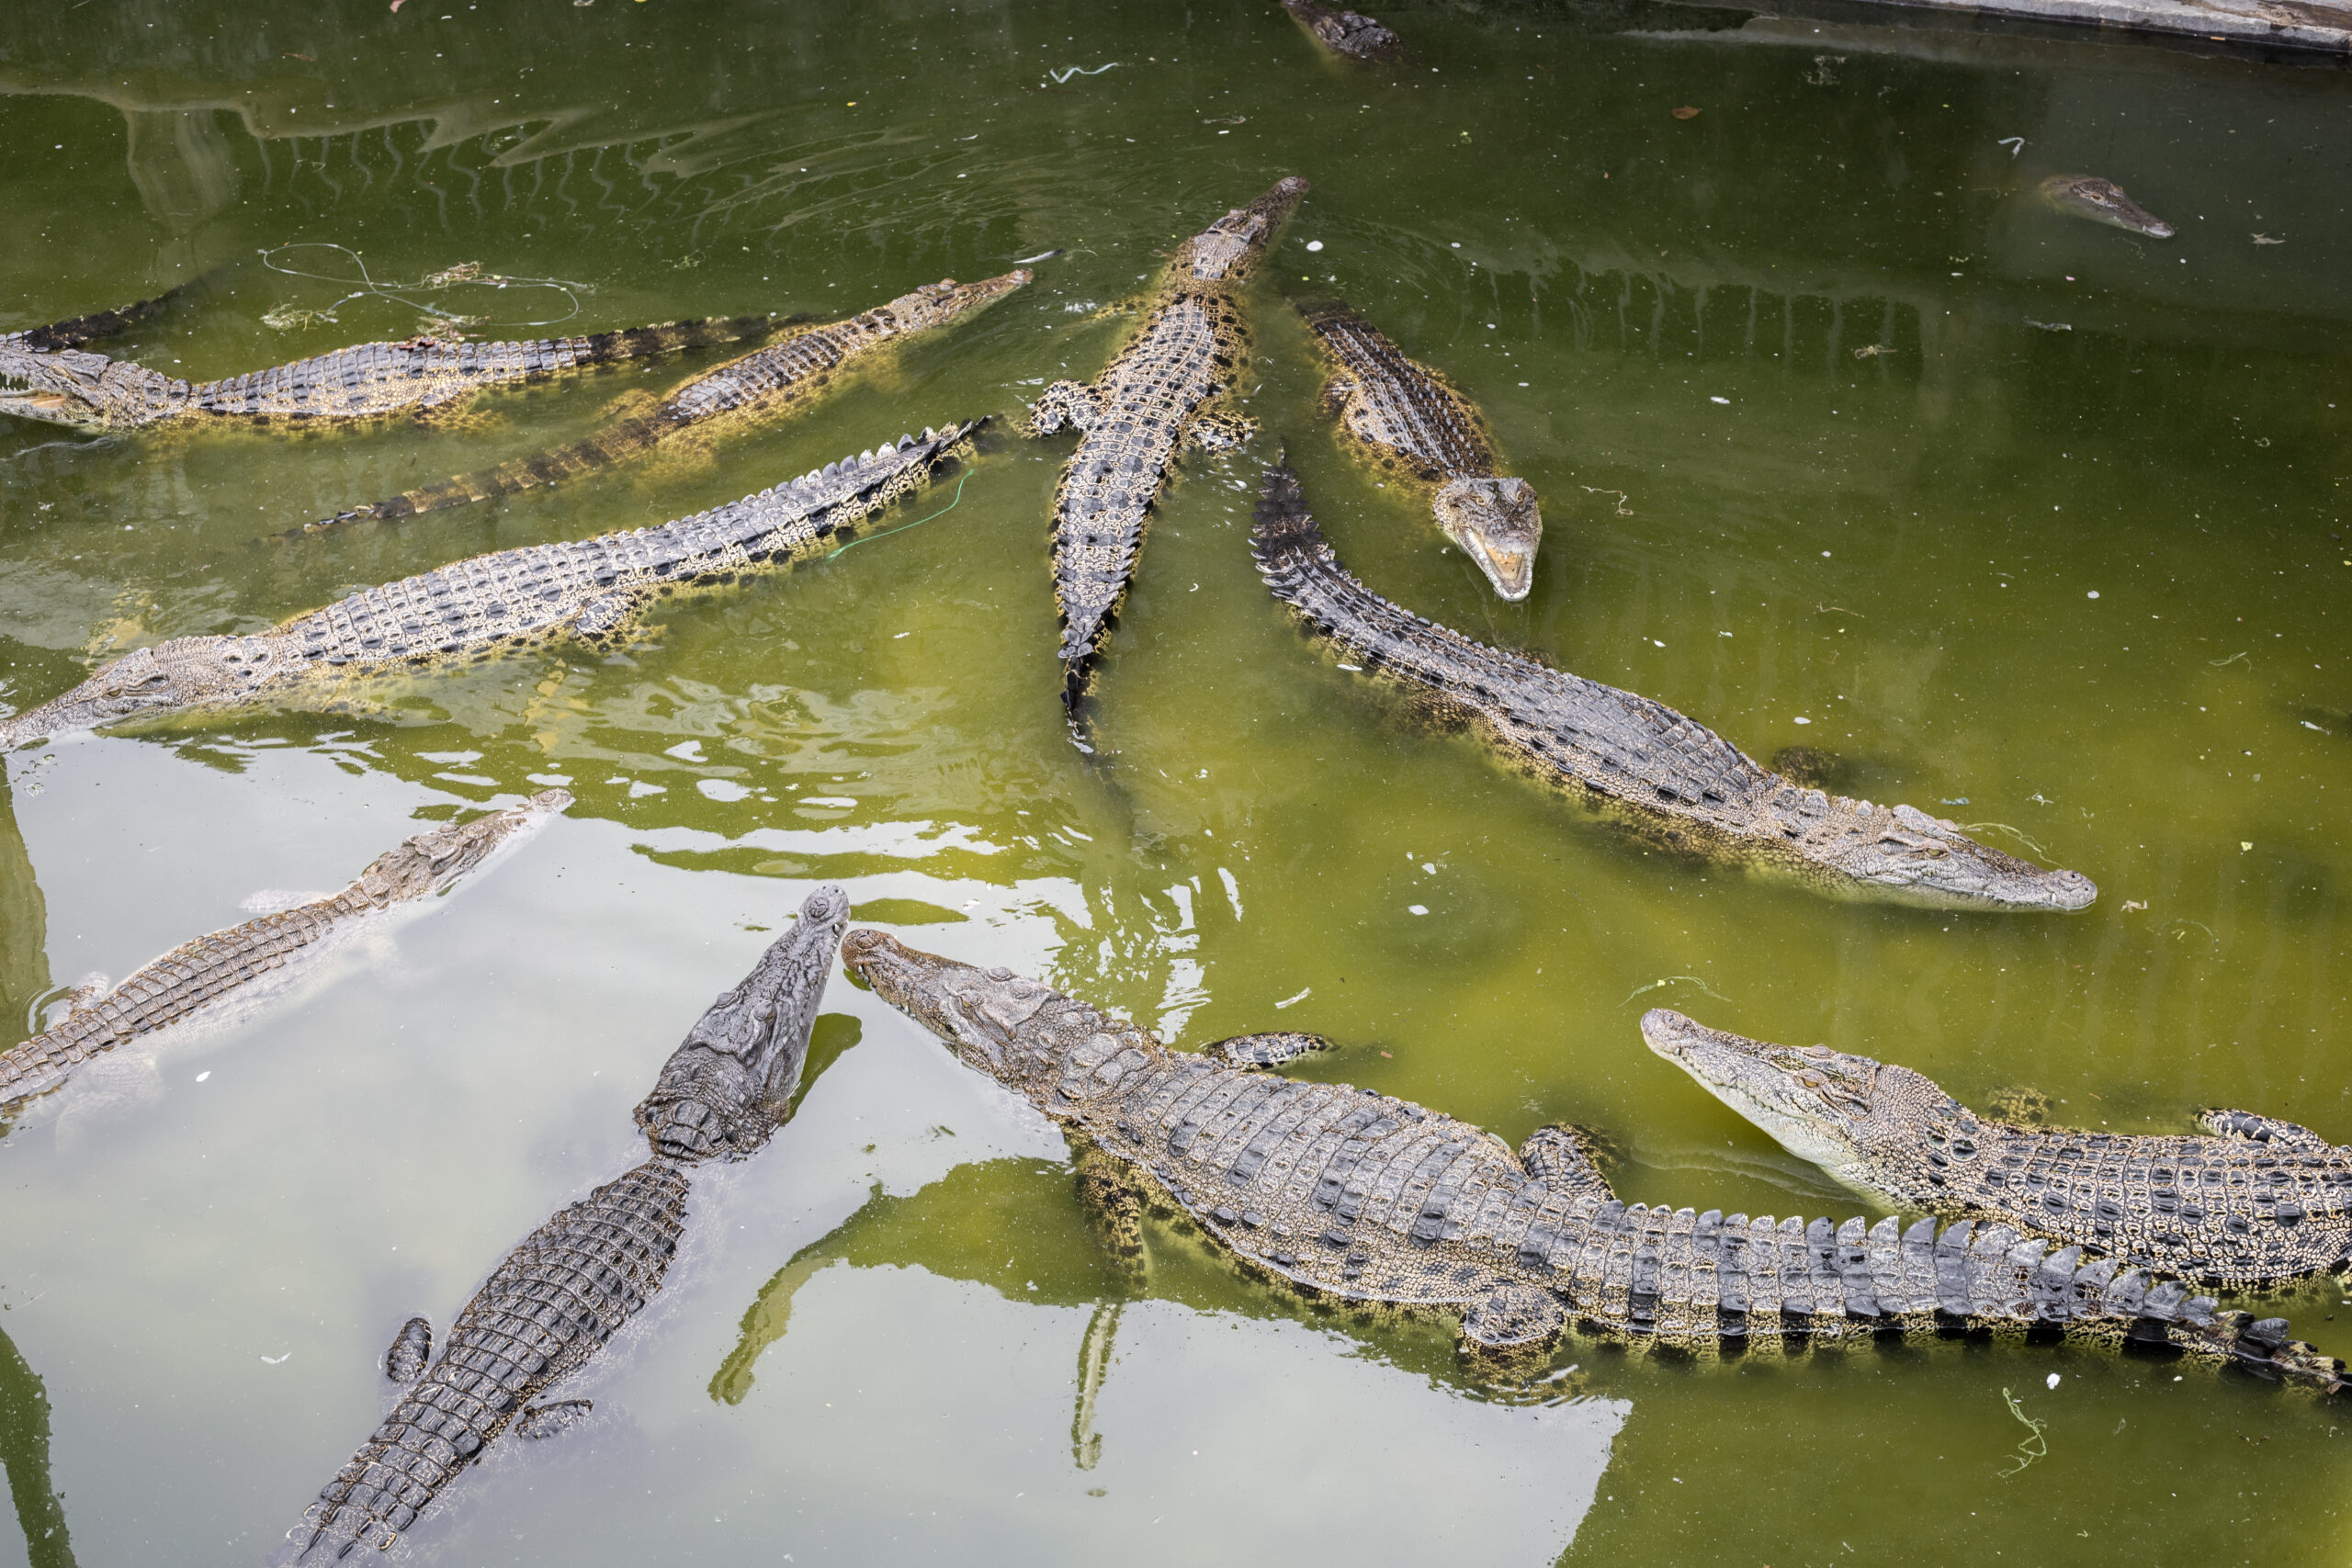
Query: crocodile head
{"points": [[2101, 201], [1862, 1121], [1496, 521], [186, 672], [988, 1017], [723, 1092], [88, 391], [937, 304], [1901, 854], [432, 861], [1230, 248]]}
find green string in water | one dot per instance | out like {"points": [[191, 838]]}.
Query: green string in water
{"points": [[916, 524]]}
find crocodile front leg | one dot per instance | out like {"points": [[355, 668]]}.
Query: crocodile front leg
{"points": [[1556, 1156], [410, 1353], [2247, 1125], [1218, 432], [1071, 403], [1269, 1050]]}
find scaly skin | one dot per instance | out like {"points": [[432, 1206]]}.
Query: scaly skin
{"points": [[756, 386], [91, 327], [1347, 33], [88, 391], [1641, 760], [2259, 1201], [2100, 201], [216, 971], [567, 1288], [1348, 1193], [1153, 399], [592, 590], [1411, 422]]}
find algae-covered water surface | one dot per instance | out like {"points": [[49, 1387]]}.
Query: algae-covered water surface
{"points": [[1843, 442]]}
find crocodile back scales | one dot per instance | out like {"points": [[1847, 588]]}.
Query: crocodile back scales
{"points": [[551, 1304]]}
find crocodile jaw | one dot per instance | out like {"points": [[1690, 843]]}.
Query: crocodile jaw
{"points": [[186, 672], [432, 861], [937, 304], [53, 387], [1495, 523], [1902, 853]]}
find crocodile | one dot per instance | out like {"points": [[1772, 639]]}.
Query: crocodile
{"points": [[1413, 422], [77, 330], [1347, 33], [1660, 773], [594, 591], [216, 977], [2100, 201], [1350, 1194], [2256, 1200], [1153, 399], [800, 366], [88, 391], [564, 1290]]}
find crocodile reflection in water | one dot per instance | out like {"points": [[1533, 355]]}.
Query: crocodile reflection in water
{"points": [[804, 365], [565, 1289], [206, 982], [23, 1450], [1356, 1197], [595, 590], [2255, 1200], [1639, 761]]}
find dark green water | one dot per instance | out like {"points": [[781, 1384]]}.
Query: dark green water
{"points": [[201, 1259]]}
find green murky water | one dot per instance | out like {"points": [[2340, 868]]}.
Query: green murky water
{"points": [[2065, 557]]}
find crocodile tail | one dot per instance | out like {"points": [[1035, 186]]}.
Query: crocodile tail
{"points": [[632, 343], [1283, 535], [609, 445], [100, 324]]}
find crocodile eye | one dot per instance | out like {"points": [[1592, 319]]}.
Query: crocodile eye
{"points": [[1812, 1078]]}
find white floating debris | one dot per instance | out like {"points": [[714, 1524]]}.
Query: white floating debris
{"points": [[1314, 245], [2054, 1379], [1417, 909], [204, 1075], [278, 1360], [1801, 719], [1715, 400], [2094, 592], [1301, 995]]}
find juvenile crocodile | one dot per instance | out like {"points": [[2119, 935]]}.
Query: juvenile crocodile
{"points": [[213, 978], [97, 325], [1412, 422], [1345, 1193], [759, 383], [592, 589], [1349, 33], [571, 1285], [1637, 760], [1150, 402], [2258, 1200], [2100, 201], [89, 391]]}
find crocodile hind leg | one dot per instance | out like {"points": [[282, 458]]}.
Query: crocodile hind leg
{"points": [[1113, 1199], [1093, 1366], [556, 1416], [1512, 1321], [1269, 1050], [606, 618], [409, 1352], [1218, 432], [2226, 1123], [1071, 403], [1556, 1156]]}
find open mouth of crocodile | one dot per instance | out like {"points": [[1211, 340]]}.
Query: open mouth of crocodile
{"points": [[46, 405]]}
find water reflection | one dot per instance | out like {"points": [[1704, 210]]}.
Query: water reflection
{"points": [[23, 1450]]}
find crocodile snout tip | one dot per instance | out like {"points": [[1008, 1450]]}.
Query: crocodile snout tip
{"points": [[1663, 1030]]}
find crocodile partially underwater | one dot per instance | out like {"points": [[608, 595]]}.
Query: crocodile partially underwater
{"points": [[758, 385], [594, 589], [1154, 400], [1663, 774], [1373, 1202], [2257, 1199], [2100, 201], [209, 981], [1412, 422], [73, 386], [566, 1289], [95, 327], [1349, 33]]}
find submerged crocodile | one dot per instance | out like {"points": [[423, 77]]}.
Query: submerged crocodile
{"points": [[77, 331], [1150, 402], [1349, 33], [2258, 1200], [1411, 422], [590, 589], [2100, 201], [1350, 1194], [208, 981], [89, 391], [759, 383], [1640, 760], [571, 1285]]}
